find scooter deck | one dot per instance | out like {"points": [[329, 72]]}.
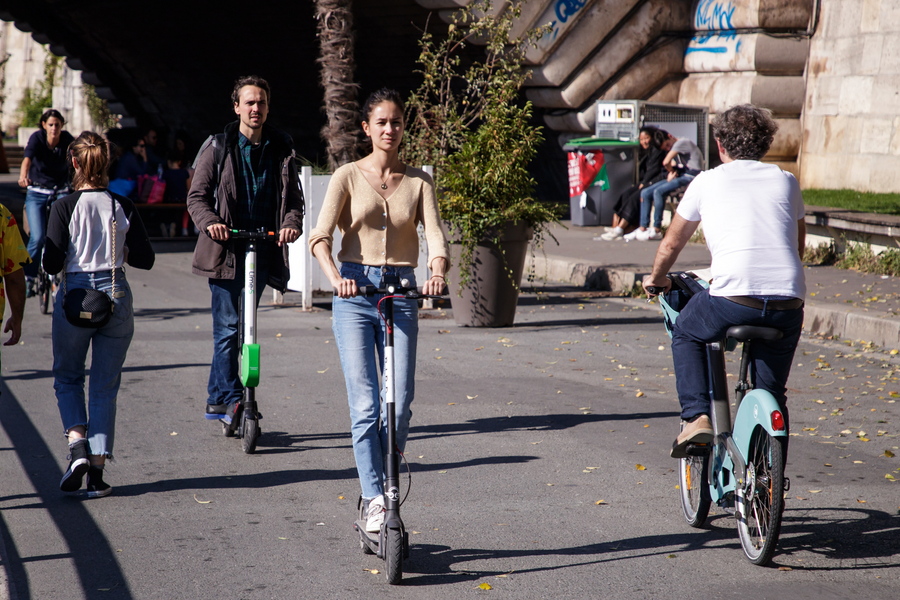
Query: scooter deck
{"points": [[370, 539]]}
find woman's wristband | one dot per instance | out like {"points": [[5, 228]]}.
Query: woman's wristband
{"points": [[441, 276]]}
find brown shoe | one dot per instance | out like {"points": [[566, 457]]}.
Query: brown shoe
{"points": [[697, 431]]}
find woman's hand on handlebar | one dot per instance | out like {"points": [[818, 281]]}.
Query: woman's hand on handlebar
{"points": [[656, 285], [345, 288], [435, 286]]}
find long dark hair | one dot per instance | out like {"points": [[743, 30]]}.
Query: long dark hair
{"points": [[379, 96], [92, 153]]}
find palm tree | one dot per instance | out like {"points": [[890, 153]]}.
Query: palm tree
{"points": [[335, 32]]}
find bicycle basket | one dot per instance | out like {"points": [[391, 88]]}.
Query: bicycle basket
{"points": [[684, 285]]}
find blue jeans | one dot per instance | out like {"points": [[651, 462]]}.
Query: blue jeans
{"points": [[705, 319], [35, 209], [224, 373], [657, 193], [109, 345], [359, 333]]}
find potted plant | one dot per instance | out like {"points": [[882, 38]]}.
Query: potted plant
{"points": [[470, 124]]}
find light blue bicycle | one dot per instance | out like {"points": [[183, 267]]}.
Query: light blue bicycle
{"points": [[742, 471]]}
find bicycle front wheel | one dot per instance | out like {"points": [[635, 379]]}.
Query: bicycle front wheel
{"points": [[694, 486], [393, 555], [760, 523]]}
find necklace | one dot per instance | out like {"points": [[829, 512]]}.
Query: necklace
{"points": [[384, 181]]}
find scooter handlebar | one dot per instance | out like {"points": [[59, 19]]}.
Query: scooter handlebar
{"points": [[252, 234], [410, 293]]}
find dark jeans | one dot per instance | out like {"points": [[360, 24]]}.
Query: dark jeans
{"points": [[705, 319], [224, 372]]}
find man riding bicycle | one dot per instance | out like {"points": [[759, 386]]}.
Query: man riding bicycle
{"points": [[753, 218]]}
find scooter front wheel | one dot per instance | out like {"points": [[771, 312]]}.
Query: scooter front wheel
{"points": [[250, 433], [393, 555]]}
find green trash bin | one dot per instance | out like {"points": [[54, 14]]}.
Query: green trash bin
{"points": [[593, 205]]}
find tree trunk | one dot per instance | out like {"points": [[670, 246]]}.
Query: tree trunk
{"points": [[335, 32]]}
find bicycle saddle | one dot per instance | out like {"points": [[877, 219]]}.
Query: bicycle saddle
{"points": [[743, 333]]}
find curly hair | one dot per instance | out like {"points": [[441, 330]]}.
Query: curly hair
{"points": [[745, 131]]}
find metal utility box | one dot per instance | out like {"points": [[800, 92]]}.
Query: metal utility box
{"points": [[622, 120]]}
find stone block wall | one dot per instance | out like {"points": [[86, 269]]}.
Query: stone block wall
{"points": [[851, 117]]}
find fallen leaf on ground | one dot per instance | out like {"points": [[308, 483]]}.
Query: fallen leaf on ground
{"points": [[198, 501], [640, 467], [324, 370], [485, 586]]}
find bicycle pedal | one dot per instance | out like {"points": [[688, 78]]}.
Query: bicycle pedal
{"points": [[697, 449]]}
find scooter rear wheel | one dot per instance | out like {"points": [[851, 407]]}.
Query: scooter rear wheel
{"points": [[393, 556]]}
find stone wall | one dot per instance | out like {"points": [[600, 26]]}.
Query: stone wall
{"points": [[851, 119], [24, 69]]}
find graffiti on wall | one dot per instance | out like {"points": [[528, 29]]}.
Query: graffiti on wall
{"points": [[715, 16], [563, 11]]}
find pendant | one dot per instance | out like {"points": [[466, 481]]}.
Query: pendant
{"points": [[384, 186]]}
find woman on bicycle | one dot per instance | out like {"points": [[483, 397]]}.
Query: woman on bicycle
{"points": [[45, 174], [91, 234], [377, 202]]}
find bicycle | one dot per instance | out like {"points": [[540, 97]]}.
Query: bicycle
{"points": [[46, 285], [391, 543], [742, 470], [244, 422]]}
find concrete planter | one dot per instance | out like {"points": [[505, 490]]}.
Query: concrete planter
{"points": [[491, 295]]}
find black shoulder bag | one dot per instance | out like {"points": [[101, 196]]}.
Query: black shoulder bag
{"points": [[87, 307]]}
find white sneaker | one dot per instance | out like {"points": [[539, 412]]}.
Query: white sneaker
{"points": [[630, 237], [375, 514], [649, 234], [613, 235]]}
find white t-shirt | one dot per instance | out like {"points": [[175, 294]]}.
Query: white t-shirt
{"points": [[689, 152], [749, 212]]}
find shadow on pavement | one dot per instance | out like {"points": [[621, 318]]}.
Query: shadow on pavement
{"points": [[94, 559]]}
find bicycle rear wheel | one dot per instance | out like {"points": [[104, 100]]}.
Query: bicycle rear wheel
{"points": [[45, 290], [760, 524], [694, 486]]}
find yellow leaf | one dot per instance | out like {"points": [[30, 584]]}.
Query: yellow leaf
{"points": [[471, 397], [889, 476], [858, 462], [647, 425], [324, 370], [485, 586], [639, 394], [599, 502], [174, 433], [198, 501], [451, 404], [785, 569], [860, 501], [340, 497], [282, 538], [640, 467], [814, 491], [889, 454]]}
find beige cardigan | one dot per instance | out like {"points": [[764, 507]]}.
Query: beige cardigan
{"points": [[379, 232]]}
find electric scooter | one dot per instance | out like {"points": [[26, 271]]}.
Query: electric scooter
{"points": [[245, 421], [391, 543]]}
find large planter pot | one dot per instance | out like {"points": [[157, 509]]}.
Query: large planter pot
{"points": [[489, 298]]}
